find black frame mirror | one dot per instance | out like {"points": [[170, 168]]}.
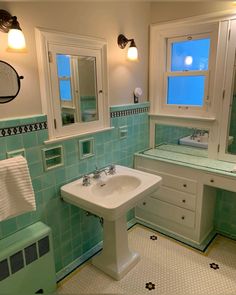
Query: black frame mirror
{"points": [[11, 80]]}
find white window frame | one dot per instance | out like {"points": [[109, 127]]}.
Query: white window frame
{"points": [[170, 73], [159, 57], [52, 42]]}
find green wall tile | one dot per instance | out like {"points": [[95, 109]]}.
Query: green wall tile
{"points": [[74, 233]]}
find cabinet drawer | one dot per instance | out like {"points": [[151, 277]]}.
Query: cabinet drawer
{"points": [[170, 212], [179, 183], [175, 197], [222, 182]]}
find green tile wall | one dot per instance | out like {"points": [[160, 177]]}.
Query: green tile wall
{"points": [[170, 134], [225, 221], [74, 233]]}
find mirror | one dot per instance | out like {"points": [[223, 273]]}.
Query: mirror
{"points": [[74, 83], [231, 138], [77, 87], [9, 82], [184, 140]]}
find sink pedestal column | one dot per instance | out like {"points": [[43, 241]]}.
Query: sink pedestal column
{"points": [[116, 259]]}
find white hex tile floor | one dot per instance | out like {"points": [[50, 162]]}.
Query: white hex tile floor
{"points": [[166, 268]]}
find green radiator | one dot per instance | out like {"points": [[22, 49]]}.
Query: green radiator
{"points": [[27, 261]]}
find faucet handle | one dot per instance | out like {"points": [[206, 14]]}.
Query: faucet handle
{"points": [[111, 169], [86, 180], [96, 173]]}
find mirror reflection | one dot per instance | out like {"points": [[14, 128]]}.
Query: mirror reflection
{"points": [[77, 88], [231, 138], [184, 140], [9, 82]]}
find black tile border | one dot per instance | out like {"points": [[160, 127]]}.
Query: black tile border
{"points": [[26, 128], [129, 112]]}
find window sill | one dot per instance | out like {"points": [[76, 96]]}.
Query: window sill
{"points": [[58, 139], [197, 118]]}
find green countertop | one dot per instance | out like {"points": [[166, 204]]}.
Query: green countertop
{"points": [[189, 157]]}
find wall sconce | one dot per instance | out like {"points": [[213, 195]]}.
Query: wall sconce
{"points": [[10, 25], [132, 51]]}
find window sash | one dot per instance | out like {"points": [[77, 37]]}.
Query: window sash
{"points": [[186, 74], [181, 39]]}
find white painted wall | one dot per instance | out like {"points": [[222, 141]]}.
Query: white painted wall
{"points": [[167, 11], [99, 19]]}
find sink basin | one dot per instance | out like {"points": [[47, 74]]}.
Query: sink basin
{"points": [[199, 141], [110, 197], [115, 186]]}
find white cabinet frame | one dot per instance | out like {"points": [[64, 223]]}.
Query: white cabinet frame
{"points": [[44, 40]]}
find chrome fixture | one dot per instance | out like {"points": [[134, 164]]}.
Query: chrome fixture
{"points": [[9, 24], [111, 170], [97, 173], [132, 51], [86, 180]]}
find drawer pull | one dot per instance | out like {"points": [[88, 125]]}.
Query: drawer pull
{"points": [[185, 185], [183, 217], [212, 180], [184, 201], [144, 203]]}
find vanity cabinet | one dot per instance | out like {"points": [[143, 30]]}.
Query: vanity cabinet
{"points": [[183, 207]]}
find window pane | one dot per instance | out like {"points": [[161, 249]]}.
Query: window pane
{"points": [[190, 55], [63, 65], [187, 90], [65, 90]]}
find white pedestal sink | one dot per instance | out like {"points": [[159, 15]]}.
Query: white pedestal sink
{"points": [[110, 197]]}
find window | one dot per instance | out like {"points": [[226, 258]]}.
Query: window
{"points": [[183, 63], [187, 70]]}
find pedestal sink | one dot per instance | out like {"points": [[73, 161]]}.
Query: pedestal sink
{"points": [[110, 197]]}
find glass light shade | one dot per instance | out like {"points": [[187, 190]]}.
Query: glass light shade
{"points": [[132, 53], [16, 40]]}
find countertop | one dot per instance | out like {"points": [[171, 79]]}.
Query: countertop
{"points": [[189, 157]]}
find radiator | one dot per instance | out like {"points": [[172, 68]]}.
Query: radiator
{"points": [[27, 261]]}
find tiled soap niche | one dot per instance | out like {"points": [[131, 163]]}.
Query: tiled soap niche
{"points": [[52, 157]]}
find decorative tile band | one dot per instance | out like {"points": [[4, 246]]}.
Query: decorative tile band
{"points": [[23, 129], [129, 112], [20, 129]]}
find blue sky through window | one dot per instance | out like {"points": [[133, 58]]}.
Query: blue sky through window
{"points": [[190, 55], [186, 90], [64, 71]]}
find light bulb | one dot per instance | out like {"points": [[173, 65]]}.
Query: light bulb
{"points": [[132, 53], [16, 40]]}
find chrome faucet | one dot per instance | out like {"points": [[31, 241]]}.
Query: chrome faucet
{"points": [[111, 169], [86, 180], [97, 173]]}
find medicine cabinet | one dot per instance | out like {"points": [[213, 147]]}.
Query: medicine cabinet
{"points": [[73, 80], [228, 118]]}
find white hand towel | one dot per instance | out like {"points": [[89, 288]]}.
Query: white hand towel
{"points": [[16, 192]]}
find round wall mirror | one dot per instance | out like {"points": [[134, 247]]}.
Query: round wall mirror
{"points": [[9, 82]]}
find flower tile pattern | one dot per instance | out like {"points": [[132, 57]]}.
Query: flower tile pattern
{"points": [[150, 286], [214, 266], [165, 268], [153, 237]]}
